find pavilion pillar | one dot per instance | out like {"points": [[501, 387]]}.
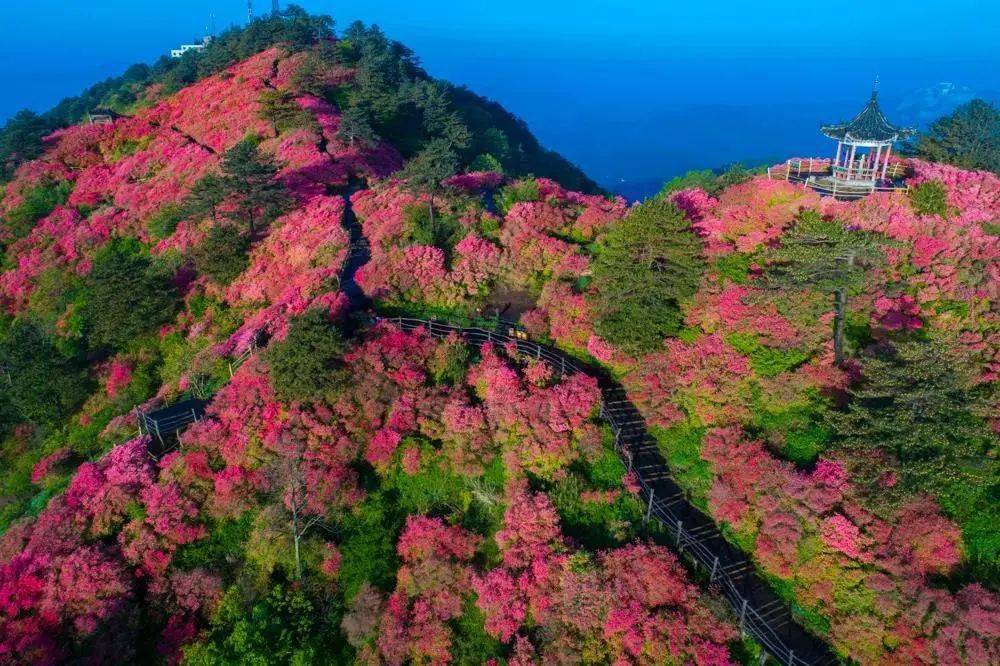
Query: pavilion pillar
{"points": [[850, 160], [836, 161], [878, 156], [885, 165]]}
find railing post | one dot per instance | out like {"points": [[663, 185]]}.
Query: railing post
{"points": [[194, 415], [649, 506], [743, 617], [791, 657], [630, 462], [680, 536], [562, 364], [715, 567]]}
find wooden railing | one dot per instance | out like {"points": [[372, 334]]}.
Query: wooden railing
{"points": [[825, 178], [762, 614]]}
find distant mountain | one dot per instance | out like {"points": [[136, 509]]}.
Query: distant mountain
{"points": [[923, 106]]}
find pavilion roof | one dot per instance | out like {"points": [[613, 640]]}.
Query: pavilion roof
{"points": [[869, 125]]}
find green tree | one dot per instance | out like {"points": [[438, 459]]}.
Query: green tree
{"points": [[125, 295], [282, 626], [249, 179], [21, 140], [525, 189], [278, 107], [486, 162], [441, 231], [439, 120], [425, 172], [36, 203], [968, 138], [646, 266], [918, 411], [223, 254], [41, 384], [355, 129], [712, 181], [307, 364], [930, 198], [825, 256], [163, 223], [206, 196]]}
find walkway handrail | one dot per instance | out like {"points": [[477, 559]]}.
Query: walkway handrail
{"points": [[753, 620]]}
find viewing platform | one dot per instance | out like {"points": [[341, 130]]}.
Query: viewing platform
{"points": [[828, 179], [863, 164]]}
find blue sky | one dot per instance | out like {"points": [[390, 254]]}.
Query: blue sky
{"points": [[628, 89]]}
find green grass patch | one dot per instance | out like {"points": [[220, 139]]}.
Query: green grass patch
{"points": [[766, 361], [681, 446]]}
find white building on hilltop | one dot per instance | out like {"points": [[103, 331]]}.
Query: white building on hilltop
{"points": [[184, 48]]}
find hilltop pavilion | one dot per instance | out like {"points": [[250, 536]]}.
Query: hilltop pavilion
{"points": [[864, 145]]}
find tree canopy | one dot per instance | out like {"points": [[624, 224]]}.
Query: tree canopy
{"points": [[968, 138], [647, 265], [826, 256]]}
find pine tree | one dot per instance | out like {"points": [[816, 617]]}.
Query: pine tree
{"points": [[828, 257], [206, 196], [917, 411], [354, 128], [279, 108], [249, 180], [38, 383], [968, 138], [647, 265], [425, 172]]}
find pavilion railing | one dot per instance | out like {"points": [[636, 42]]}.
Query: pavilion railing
{"points": [[755, 621], [824, 177]]}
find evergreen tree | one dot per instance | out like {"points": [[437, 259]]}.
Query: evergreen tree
{"points": [[355, 129], [249, 181], [425, 172], [21, 140], [968, 138], [223, 254], [206, 196], [279, 108], [917, 411], [825, 256], [306, 364], [38, 383], [125, 295], [439, 119], [648, 264]]}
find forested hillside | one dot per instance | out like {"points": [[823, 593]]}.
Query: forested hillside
{"points": [[819, 375]]}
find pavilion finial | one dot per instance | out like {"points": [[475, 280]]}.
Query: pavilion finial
{"points": [[875, 87]]}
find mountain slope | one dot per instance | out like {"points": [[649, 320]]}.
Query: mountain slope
{"points": [[351, 492], [356, 491]]}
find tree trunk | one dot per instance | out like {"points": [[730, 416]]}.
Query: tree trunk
{"points": [[430, 209], [840, 313], [295, 540]]}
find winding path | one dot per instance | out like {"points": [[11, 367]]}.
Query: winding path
{"points": [[762, 614]]}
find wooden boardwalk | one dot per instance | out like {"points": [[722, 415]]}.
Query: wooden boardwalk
{"points": [[762, 614]]}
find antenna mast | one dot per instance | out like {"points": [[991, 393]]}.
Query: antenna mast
{"points": [[275, 7], [249, 10]]}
